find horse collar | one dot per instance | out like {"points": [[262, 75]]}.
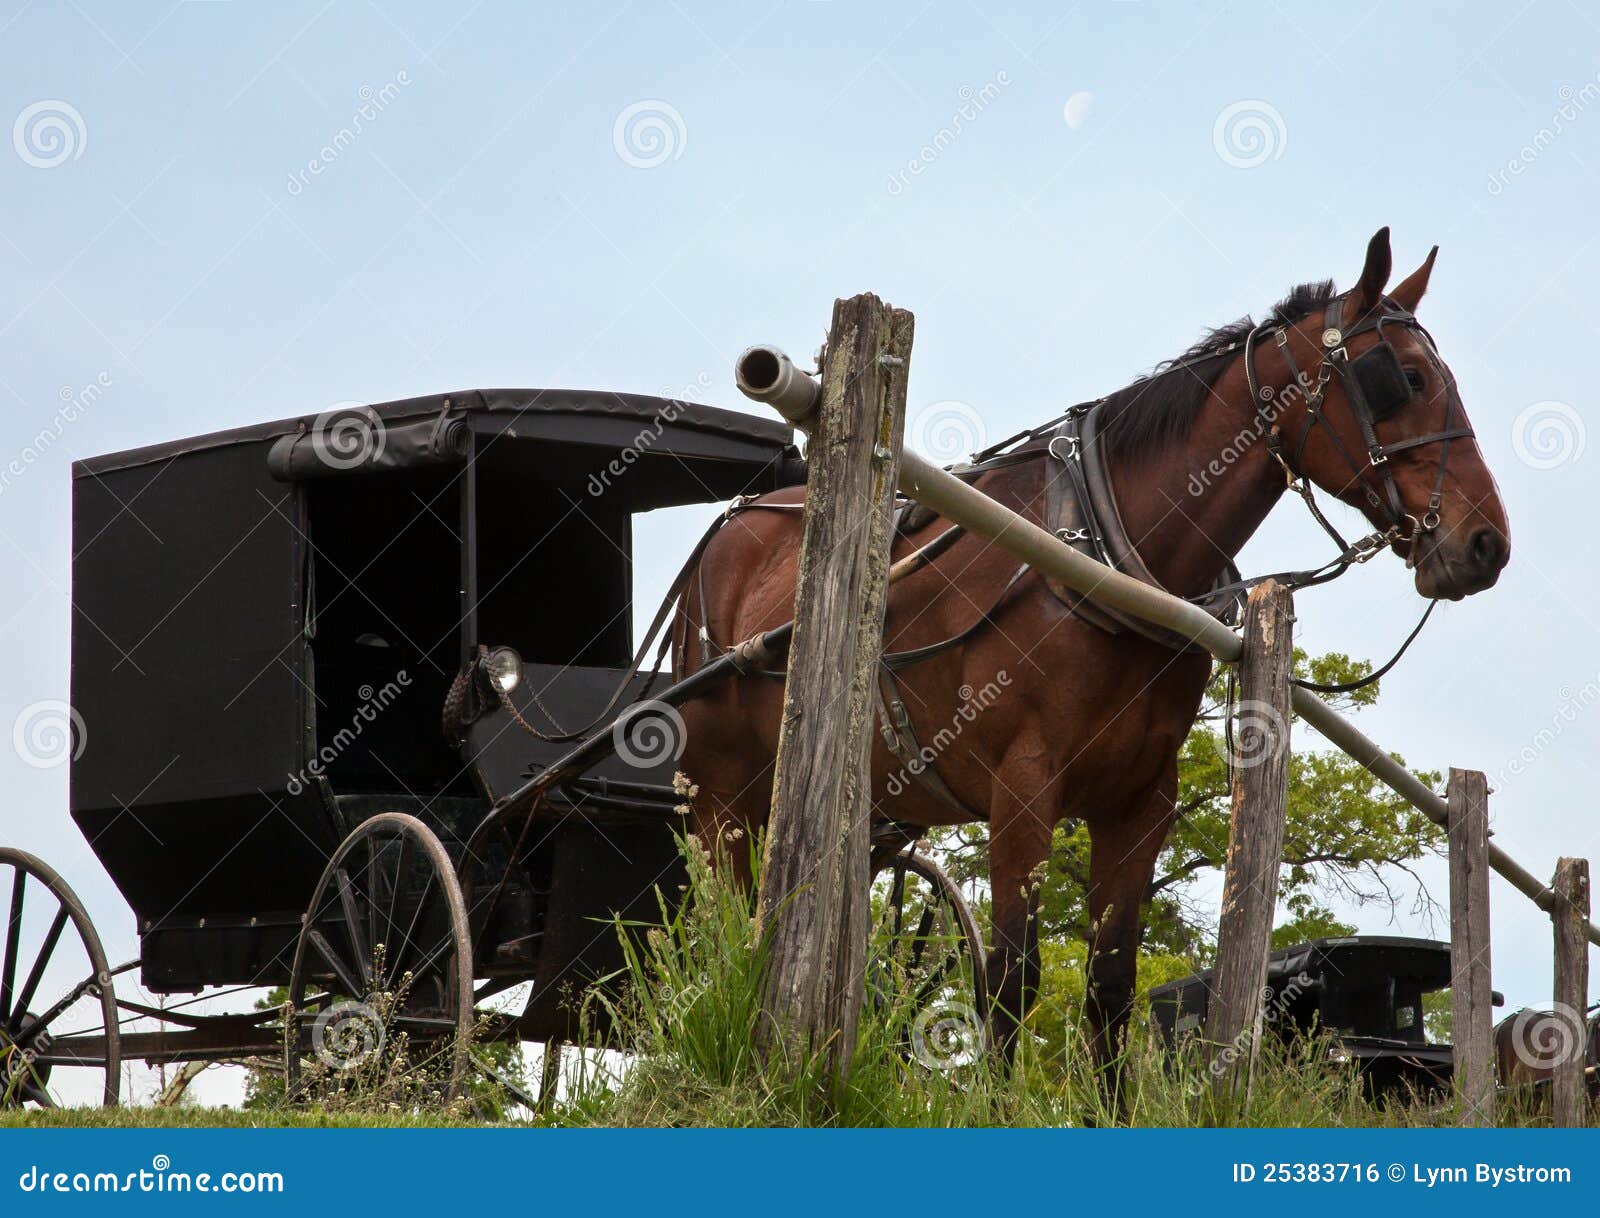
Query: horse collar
{"points": [[1081, 510]]}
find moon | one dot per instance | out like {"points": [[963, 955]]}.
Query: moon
{"points": [[1076, 111]]}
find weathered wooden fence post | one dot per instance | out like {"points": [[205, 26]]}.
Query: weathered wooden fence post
{"points": [[1255, 836], [1471, 997], [815, 885], [1569, 1101]]}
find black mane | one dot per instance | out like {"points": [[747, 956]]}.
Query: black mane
{"points": [[1158, 409]]}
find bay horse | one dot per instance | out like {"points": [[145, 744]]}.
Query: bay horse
{"points": [[1089, 722]]}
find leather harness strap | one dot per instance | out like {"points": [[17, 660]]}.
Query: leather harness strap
{"points": [[1081, 510]]}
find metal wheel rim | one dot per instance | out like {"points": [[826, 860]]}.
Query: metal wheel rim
{"points": [[949, 895], [457, 977], [22, 865]]}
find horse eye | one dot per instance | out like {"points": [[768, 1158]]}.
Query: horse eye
{"points": [[1415, 379]]}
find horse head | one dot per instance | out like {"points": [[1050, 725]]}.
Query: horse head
{"points": [[1378, 422]]}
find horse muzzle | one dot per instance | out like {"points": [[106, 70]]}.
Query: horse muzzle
{"points": [[1451, 567]]}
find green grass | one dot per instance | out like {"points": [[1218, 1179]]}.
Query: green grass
{"points": [[693, 1003], [685, 1027]]}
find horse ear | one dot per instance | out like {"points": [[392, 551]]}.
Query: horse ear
{"points": [[1375, 274], [1410, 291]]}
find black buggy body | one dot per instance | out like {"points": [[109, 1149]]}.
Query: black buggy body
{"points": [[266, 623], [364, 717]]}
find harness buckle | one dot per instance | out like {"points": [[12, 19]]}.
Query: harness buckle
{"points": [[1072, 454], [1071, 535], [1370, 546], [1378, 456]]}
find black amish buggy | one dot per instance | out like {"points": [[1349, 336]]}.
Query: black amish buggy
{"points": [[1366, 991], [362, 715]]}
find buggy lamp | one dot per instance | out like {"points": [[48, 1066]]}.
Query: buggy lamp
{"points": [[504, 667]]}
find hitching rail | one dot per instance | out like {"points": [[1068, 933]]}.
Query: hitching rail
{"points": [[962, 504]]}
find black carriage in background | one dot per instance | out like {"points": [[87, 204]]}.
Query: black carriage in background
{"points": [[325, 670], [1367, 992]]}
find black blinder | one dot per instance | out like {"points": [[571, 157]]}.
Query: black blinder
{"points": [[1382, 380]]}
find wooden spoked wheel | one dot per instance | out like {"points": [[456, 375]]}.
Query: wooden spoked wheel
{"points": [[384, 950], [926, 961], [59, 1039]]}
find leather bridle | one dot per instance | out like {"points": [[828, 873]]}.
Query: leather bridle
{"points": [[1336, 360]]}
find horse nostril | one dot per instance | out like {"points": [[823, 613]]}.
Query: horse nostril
{"points": [[1488, 550]]}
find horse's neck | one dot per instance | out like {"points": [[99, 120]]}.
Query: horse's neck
{"points": [[1191, 508]]}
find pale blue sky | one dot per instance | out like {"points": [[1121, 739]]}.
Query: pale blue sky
{"points": [[488, 227]]}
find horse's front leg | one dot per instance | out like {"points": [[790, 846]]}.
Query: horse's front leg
{"points": [[1019, 843], [1122, 862]]}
